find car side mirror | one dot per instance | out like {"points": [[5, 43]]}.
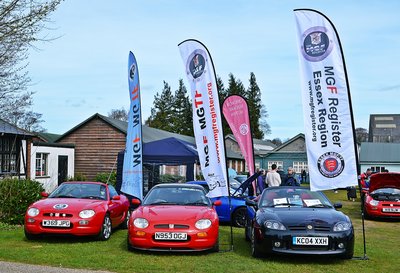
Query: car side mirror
{"points": [[217, 203], [116, 197], [136, 203], [337, 205], [44, 194], [251, 203]]}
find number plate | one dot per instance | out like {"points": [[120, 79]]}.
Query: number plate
{"points": [[310, 241], [56, 223], [175, 236], [391, 210]]}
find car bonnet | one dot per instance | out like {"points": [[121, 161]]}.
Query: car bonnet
{"points": [[384, 180]]}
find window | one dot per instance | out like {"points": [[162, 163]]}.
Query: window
{"points": [[278, 164], [8, 154], [377, 169], [299, 166], [41, 164]]}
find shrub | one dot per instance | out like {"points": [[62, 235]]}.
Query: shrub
{"points": [[16, 195], [169, 178], [111, 178], [78, 177]]}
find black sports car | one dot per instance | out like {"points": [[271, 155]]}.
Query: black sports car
{"points": [[295, 220]]}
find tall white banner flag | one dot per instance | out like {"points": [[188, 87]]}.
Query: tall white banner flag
{"points": [[328, 121], [207, 122]]}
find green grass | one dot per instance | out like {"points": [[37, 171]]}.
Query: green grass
{"points": [[381, 236]]}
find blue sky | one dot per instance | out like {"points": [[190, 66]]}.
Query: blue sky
{"points": [[84, 71]]}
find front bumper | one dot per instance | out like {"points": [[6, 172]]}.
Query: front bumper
{"points": [[91, 226], [197, 240], [281, 242]]}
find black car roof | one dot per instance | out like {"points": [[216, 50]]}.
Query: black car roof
{"points": [[179, 185]]}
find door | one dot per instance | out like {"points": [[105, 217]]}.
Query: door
{"points": [[62, 168]]}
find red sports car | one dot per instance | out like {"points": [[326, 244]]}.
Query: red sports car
{"points": [[78, 208], [383, 198], [174, 217]]}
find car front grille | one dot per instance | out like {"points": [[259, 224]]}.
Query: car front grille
{"points": [[173, 226], [57, 215], [315, 228]]}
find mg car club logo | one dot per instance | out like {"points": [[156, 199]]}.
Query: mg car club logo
{"points": [[197, 64], [316, 44], [330, 164], [132, 71], [60, 206]]}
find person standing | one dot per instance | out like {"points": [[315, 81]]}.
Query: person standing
{"points": [[273, 178], [281, 173], [290, 179], [261, 182]]}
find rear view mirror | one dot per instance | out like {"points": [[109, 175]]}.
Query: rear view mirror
{"points": [[337, 205], [44, 194], [136, 203]]}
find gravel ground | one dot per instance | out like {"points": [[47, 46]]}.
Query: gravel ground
{"points": [[7, 267]]}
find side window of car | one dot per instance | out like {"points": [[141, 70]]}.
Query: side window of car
{"points": [[112, 191]]}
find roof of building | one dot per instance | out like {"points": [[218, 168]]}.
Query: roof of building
{"points": [[149, 134], [259, 145], [48, 137], [380, 152], [8, 128]]}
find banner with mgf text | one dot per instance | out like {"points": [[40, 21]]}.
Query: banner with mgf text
{"points": [[132, 173], [207, 123], [328, 119]]}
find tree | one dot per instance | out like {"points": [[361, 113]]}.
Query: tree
{"points": [[257, 111], [20, 24], [182, 108], [277, 141], [161, 116], [235, 86], [120, 114], [361, 135]]}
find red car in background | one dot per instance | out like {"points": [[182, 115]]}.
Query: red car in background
{"points": [[383, 198], [78, 208], [174, 217]]}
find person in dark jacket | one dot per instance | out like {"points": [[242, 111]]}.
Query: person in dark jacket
{"points": [[291, 179]]}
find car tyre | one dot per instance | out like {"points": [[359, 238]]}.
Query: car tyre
{"points": [[239, 217], [130, 247], [106, 228], [254, 251], [216, 246], [30, 236], [125, 223]]}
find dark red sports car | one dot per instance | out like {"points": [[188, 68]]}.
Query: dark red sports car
{"points": [[383, 198], [174, 217], [78, 208]]}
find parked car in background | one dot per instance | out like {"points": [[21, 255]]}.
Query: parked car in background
{"points": [[238, 213], [383, 197], [78, 208], [295, 220], [174, 217]]}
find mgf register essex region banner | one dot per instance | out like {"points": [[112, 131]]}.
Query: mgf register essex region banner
{"points": [[328, 120]]}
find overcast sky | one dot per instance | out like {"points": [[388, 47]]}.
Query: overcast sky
{"points": [[85, 70]]}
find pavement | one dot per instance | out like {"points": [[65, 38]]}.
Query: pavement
{"points": [[7, 267]]}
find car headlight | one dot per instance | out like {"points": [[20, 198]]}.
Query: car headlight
{"points": [[341, 226], [373, 202], [276, 225], [33, 212], [87, 213], [203, 224], [140, 223]]}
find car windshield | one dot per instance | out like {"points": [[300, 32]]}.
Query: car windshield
{"points": [[293, 197], [177, 196], [234, 185], [80, 190], [386, 194]]}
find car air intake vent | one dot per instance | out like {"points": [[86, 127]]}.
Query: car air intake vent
{"points": [[171, 226], [322, 228], [57, 215], [297, 227]]}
